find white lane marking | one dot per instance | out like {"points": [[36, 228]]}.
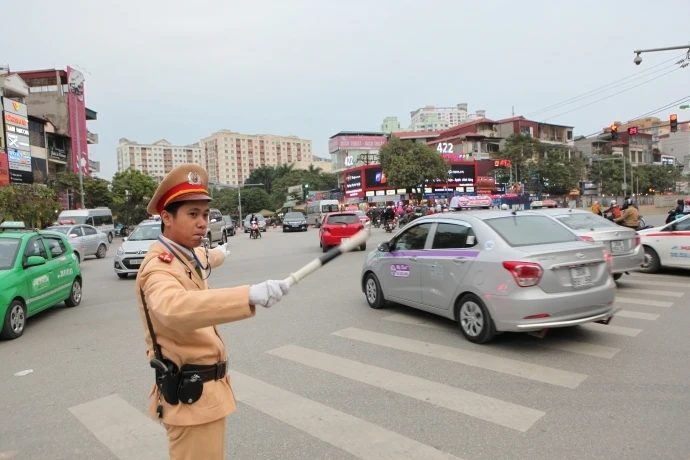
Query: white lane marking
{"points": [[128, 433], [653, 292], [8, 454], [23, 373], [610, 329], [598, 351], [486, 408], [645, 302], [358, 437], [470, 358], [638, 281], [637, 315]]}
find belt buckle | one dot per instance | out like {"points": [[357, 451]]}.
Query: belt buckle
{"points": [[221, 369]]}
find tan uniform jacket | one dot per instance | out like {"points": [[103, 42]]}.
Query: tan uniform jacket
{"points": [[630, 217], [184, 313]]}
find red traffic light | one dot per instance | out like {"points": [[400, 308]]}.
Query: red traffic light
{"points": [[632, 130], [674, 117]]}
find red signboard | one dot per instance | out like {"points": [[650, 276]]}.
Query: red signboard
{"points": [[77, 120], [4, 168], [356, 143]]}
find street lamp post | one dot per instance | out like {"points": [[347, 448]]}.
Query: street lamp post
{"points": [[239, 197], [638, 59]]}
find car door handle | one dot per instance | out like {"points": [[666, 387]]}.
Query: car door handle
{"points": [[411, 258], [460, 260]]}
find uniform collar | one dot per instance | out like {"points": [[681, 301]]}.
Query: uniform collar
{"points": [[189, 255]]}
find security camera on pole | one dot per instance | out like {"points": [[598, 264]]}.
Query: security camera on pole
{"points": [[638, 58]]}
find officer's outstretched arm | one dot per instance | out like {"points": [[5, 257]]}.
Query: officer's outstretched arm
{"points": [[215, 257], [184, 310]]}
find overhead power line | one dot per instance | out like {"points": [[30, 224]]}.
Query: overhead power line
{"points": [[638, 75]]}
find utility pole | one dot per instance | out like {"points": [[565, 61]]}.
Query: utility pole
{"points": [[76, 87]]}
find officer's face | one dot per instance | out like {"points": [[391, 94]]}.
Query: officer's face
{"points": [[188, 226]]}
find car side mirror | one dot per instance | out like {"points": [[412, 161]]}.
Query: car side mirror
{"points": [[124, 239], [471, 240], [384, 247], [73, 235], [33, 261]]}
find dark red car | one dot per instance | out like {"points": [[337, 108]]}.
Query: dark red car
{"points": [[338, 227]]}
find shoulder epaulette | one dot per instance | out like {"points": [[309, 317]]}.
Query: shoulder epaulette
{"points": [[166, 257]]}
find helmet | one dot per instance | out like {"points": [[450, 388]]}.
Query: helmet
{"points": [[504, 206], [613, 202]]}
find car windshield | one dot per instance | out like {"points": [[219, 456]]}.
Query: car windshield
{"points": [[8, 252], [337, 219], [69, 218], [145, 233], [329, 208], [62, 230], [523, 230], [582, 221], [294, 216]]}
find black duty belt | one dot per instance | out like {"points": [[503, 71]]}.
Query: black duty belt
{"points": [[207, 372]]}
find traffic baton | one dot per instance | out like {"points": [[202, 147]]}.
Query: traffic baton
{"points": [[357, 240]]}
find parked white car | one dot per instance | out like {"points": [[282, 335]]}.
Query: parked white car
{"points": [[666, 246]]}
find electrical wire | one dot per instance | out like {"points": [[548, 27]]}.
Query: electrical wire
{"points": [[612, 95], [603, 88]]}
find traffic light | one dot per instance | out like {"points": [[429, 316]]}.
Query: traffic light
{"points": [[674, 122], [305, 189], [632, 130], [614, 131]]}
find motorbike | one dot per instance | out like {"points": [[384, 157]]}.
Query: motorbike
{"points": [[390, 225], [377, 222], [255, 232]]}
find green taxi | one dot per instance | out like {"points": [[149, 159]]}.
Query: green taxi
{"points": [[38, 270]]}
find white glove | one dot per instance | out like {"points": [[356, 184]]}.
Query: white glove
{"points": [[268, 293], [223, 249]]}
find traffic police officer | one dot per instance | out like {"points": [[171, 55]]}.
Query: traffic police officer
{"points": [[192, 394]]}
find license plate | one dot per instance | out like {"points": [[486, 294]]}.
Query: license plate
{"points": [[580, 276], [618, 246], [136, 261], [342, 240]]}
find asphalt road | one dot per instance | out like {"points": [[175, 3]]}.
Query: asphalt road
{"points": [[323, 376]]}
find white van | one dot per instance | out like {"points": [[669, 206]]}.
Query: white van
{"points": [[101, 218], [317, 209]]}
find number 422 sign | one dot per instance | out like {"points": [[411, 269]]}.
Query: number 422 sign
{"points": [[444, 147]]}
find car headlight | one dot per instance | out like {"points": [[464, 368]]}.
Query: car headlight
{"points": [[120, 251], [304, 222]]}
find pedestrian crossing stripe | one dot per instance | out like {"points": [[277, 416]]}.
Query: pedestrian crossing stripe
{"points": [[652, 292], [470, 358], [637, 315], [465, 402], [645, 302]]}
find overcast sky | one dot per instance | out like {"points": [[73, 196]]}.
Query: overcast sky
{"points": [[181, 70]]}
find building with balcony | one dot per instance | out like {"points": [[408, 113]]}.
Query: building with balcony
{"points": [[431, 118], [231, 157], [157, 159], [546, 133], [58, 97], [637, 149], [471, 141]]}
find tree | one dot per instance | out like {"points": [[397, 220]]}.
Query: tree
{"points": [[557, 172], [316, 180], [131, 193], [263, 175], [408, 164], [522, 151], [35, 205], [96, 191], [254, 199]]}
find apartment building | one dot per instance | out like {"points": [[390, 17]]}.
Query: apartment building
{"points": [[231, 157], [432, 118], [157, 159]]}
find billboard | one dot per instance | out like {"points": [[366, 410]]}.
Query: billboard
{"points": [[77, 120], [353, 181], [356, 143], [461, 174], [4, 169], [17, 148], [375, 178]]}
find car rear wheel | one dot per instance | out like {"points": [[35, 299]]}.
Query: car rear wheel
{"points": [[101, 251], [651, 262], [324, 247], [74, 298], [224, 238], [363, 247], [110, 237], [14, 321], [373, 293], [617, 276], [474, 320]]}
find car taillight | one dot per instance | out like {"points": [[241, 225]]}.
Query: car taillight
{"points": [[325, 229], [587, 238], [609, 261], [526, 274], [638, 239]]}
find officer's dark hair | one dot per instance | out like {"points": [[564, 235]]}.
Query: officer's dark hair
{"points": [[172, 208]]}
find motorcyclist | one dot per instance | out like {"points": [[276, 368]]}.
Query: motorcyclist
{"points": [[388, 214], [614, 209], [596, 208], [253, 219], [629, 218]]}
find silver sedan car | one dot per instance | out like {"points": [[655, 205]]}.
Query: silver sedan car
{"points": [[493, 271], [86, 240], [624, 243]]}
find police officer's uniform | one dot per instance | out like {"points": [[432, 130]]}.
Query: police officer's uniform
{"points": [[176, 303]]}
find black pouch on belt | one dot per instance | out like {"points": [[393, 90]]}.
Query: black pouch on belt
{"points": [[193, 377]]}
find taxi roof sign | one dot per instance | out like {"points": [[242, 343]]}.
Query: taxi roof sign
{"points": [[17, 225]]}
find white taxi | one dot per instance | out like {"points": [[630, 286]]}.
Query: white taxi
{"points": [[666, 246]]}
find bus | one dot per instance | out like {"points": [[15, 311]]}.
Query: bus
{"points": [[101, 218], [316, 210]]}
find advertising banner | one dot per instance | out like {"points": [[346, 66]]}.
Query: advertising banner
{"points": [[77, 120], [375, 178], [19, 160], [4, 169], [356, 143], [14, 107], [461, 174], [353, 183], [18, 142]]}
